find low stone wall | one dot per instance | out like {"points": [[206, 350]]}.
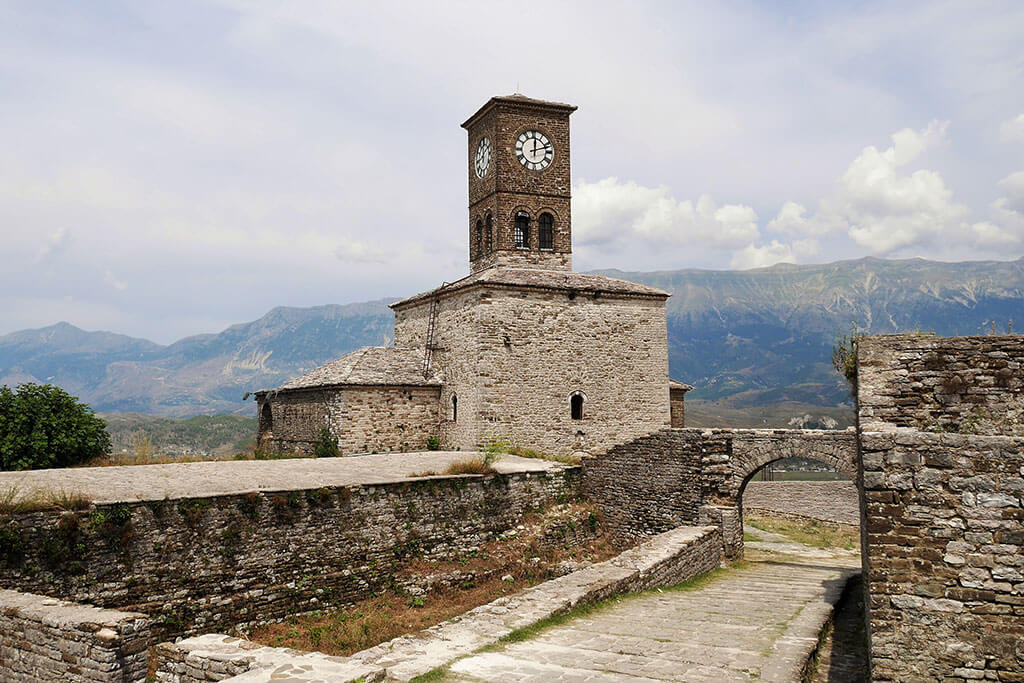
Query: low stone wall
{"points": [[43, 639], [202, 564], [945, 560], [829, 501], [663, 560], [649, 485]]}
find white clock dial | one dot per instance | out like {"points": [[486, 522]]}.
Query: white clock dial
{"points": [[534, 150], [483, 157]]}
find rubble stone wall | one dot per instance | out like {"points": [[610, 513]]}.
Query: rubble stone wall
{"points": [[297, 418], [963, 384], [42, 639], [945, 561], [649, 485], [196, 564], [369, 419], [828, 501], [942, 460]]}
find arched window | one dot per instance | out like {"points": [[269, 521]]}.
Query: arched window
{"points": [[490, 234], [455, 407], [266, 419], [576, 406], [522, 230], [479, 236], [546, 231]]}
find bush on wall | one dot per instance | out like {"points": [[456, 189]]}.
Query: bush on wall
{"points": [[43, 426]]}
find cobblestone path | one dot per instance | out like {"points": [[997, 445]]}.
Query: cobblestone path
{"points": [[757, 621]]}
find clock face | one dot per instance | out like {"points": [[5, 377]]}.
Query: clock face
{"points": [[534, 150], [483, 158]]}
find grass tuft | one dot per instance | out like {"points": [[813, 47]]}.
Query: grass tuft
{"points": [[809, 532], [12, 502], [469, 466]]}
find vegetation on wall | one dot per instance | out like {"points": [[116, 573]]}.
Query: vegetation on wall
{"points": [[43, 426], [326, 446]]}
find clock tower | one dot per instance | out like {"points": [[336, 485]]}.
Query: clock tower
{"points": [[519, 184]]}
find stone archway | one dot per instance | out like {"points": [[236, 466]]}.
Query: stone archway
{"points": [[677, 477]]}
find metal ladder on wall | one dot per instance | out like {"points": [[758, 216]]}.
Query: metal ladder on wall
{"points": [[429, 346]]}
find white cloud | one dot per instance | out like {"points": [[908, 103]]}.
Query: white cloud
{"points": [[609, 212], [885, 209], [111, 280], [1013, 186], [356, 251], [56, 243], [1013, 129], [772, 253], [790, 220]]}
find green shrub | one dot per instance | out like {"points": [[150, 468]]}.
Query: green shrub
{"points": [[844, 356], [433, 443], [326, 446], [43, 426]]}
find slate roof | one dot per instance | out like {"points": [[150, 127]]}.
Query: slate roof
{"points": [[672, 384], [536, 278], [371, 365]]}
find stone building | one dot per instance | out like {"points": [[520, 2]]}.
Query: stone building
{"points": [[522, 349]]}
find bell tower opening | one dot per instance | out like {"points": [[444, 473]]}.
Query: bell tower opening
{"points": [[519, 174]]}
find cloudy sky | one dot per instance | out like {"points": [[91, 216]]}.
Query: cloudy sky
{"points": [[169, 168]]}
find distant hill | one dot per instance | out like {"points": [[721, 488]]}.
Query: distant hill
{"points": [[201, 435], [756, 344], [762, 337], [197, 375]]}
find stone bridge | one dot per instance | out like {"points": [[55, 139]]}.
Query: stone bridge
{"points": [[697, 476]]}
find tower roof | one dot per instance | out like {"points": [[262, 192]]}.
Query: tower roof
{"points": [[518, 99], [538, 279]]}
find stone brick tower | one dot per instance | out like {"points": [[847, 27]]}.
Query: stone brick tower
{"points": [[519, 184], [521, 349]]}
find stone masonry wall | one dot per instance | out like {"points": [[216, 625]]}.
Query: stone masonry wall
{"points": [[386, 419], [457, 358], [677, 400], [42, 639], [945, 562], [942, 456], [297, 418], [508, 188], [197, 565], [664, 560], [370, 419], [962, 384], [647, 486], [829, 501], [514, 357]]}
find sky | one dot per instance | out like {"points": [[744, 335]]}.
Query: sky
{"points": [[171, 168]]}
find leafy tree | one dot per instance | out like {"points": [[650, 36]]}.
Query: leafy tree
{"points": [[43, 426]]}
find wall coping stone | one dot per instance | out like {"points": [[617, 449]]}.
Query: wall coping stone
{"points": [[134, 483], [408, 656]]}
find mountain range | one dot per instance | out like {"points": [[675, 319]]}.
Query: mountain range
{"points": [[752, 339]]}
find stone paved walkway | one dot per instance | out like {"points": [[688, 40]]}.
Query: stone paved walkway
{"points": [[759, 621], [202, 479]]}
